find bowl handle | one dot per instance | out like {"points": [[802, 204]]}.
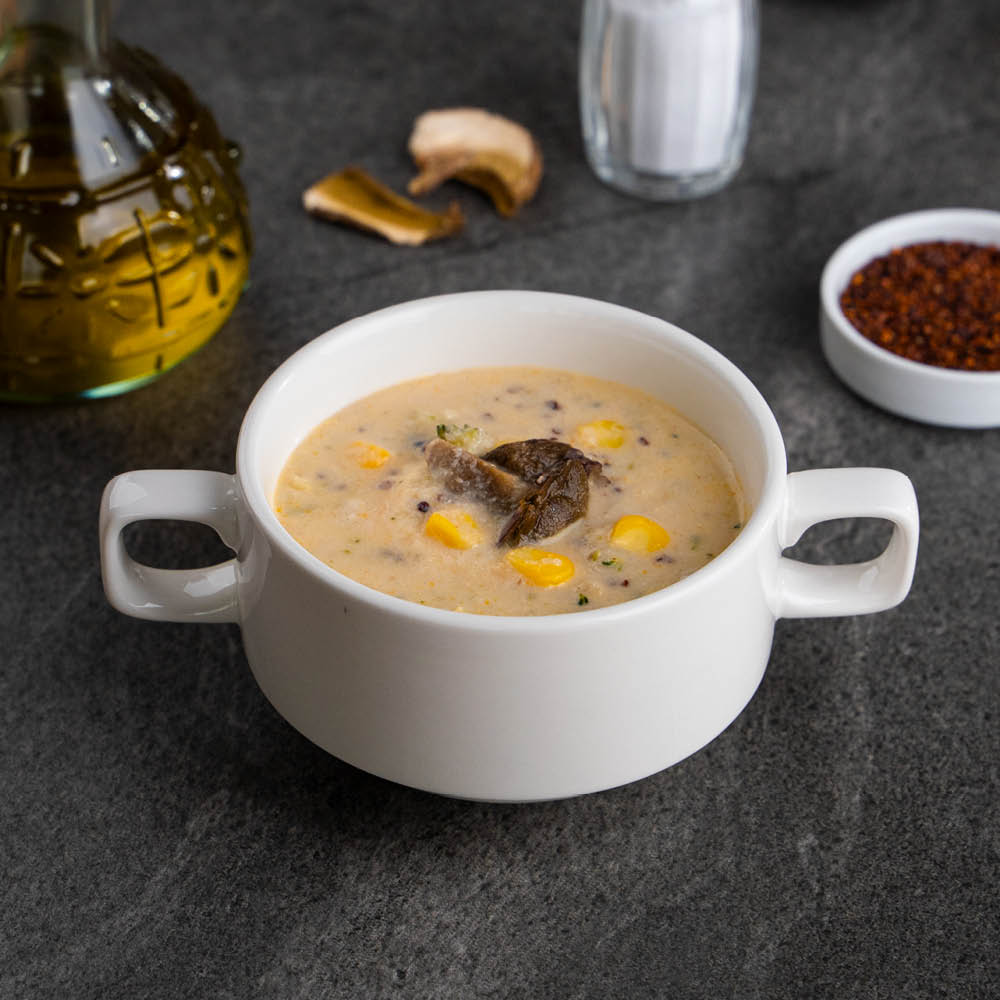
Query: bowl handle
{"points": [[207, 594], [810, 591]]}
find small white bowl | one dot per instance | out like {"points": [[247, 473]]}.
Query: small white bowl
{"points": [[924, 392]]}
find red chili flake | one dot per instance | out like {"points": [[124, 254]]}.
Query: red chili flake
{"points": [[937, 303]]}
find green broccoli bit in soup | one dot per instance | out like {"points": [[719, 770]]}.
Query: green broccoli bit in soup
{"points": [[464, 436]]}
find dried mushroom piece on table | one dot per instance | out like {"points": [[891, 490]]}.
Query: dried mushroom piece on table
{"points": [[355, 197], [541, 485], [486, 150]]}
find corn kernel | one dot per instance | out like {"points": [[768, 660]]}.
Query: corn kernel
{"points": [[368, 455], [544, 569], [601, 434], [459, 531], [639, 534]]}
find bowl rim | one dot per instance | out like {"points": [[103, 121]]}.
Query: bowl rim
{"points": [[936, 221], [253, 495]]}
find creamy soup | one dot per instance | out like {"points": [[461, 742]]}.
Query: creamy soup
{"points": [[511, 491]]}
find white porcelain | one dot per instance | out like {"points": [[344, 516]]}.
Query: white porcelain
{"points": [[509, 709], [908, 388]]}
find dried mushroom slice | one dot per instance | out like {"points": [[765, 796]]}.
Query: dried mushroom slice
{"points": [[557, 503], [355, 197], [488, 151], [543, 485], [463, 473], [536, 456]]}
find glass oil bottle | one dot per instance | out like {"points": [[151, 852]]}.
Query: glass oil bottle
{"points": [[124, 235]]}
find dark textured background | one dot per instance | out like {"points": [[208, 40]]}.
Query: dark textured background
{"points": [[165, 834]]}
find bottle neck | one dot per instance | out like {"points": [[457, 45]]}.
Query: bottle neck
{"points": [[54, 30]]}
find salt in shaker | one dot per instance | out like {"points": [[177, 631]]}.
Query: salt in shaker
{"points": [[666, 88]]}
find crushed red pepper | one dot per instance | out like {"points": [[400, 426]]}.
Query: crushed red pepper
{"points": [[936, 302]]}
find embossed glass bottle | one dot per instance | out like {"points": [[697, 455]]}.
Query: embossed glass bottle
{"points": [[124, 237]]}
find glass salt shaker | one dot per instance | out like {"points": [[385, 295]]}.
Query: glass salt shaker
{"points": [[666, 89]]}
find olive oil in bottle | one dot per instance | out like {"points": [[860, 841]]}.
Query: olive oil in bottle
{"points": [[124, 236]]}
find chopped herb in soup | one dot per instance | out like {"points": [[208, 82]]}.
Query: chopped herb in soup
{"points": [[511, 491]]}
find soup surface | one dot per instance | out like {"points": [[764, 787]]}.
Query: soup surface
{"points": [[407, 491]]}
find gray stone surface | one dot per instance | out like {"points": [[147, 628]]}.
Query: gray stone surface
{"points": [[163, 833]]}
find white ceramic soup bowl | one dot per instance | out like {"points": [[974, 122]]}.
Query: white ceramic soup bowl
{"points": [[507, 708]]}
